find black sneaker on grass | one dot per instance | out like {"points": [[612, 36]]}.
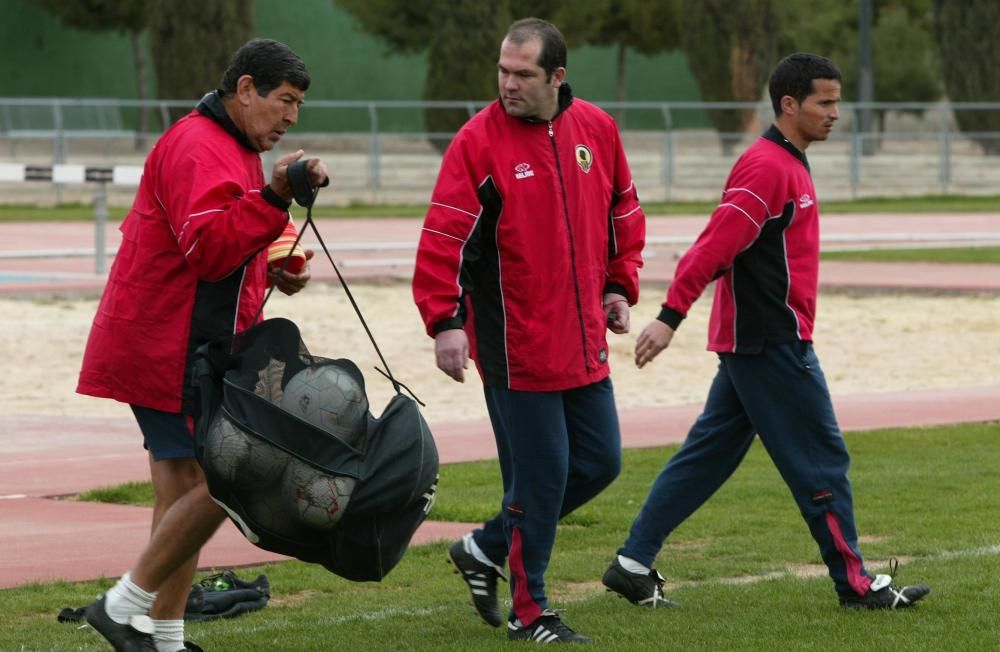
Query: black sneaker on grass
{"points": [[136, 636], [547, 628], [883, 594], [642, 590], [481, 578]]}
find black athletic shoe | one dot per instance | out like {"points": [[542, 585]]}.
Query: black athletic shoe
{"points": [[883, 594], [191, 647], [643, 590], [481, 578], [136, 636], [548, 628]]}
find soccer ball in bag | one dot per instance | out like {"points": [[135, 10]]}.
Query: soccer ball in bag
{"points": [[319, 498], [227, 448], [329, 398]]}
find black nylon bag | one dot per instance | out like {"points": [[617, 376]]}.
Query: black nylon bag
{"points": [[255, 455]]}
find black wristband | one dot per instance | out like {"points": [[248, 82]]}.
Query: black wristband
{"points": [[451, 323], [670, 317], [274, 199]]}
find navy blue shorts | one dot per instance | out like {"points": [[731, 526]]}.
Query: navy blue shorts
{"points": [[166, 435]]}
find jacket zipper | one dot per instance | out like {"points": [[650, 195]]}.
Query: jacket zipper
{"points": [[572, 248]]}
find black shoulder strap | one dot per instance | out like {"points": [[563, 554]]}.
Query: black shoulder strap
{"points": [[307, 202]]}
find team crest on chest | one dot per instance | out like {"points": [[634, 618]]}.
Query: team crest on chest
{"points": [[584, 157]]}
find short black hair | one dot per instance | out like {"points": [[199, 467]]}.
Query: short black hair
{"points": [[270, 63], [794, 76], [553, 53]]}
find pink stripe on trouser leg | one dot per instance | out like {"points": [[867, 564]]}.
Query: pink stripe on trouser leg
{"points": [[858, 581], [525, 607]]}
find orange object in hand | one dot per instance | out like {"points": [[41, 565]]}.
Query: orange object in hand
{"points": [[280, 248]]}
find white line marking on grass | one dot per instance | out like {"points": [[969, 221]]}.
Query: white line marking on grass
{"points": [[985, 551], [383, 614]]}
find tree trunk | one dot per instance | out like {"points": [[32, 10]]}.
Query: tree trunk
{"points": [[966, 38], [744, 73], [190, 55], [141, 89]]}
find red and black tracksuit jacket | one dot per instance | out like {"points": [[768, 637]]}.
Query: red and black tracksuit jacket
{"points": [[762, 245], [530, 224]]}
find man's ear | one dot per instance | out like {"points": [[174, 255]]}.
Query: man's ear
{"points": [[789, 105], [244, 88], [558, 77]]}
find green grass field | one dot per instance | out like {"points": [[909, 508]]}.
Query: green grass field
{"points": [[928, 204], [974, 255], [743, 568]]}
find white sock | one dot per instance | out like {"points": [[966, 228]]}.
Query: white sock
{"points": [[633, 566], [169, 635], [125, 599], [477, 552]]}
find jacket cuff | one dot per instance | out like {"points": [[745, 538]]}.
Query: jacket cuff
{"points": [[452, 323], [670, 317], [616, 288], [274, 199]]}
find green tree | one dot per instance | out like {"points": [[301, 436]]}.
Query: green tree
{"points": [[128, 16], [645, 26], [731, 46], [905, 64], [966, 37], [192, 43], [462, 60], [461, 38]]}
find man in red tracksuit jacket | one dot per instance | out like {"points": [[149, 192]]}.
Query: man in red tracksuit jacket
{"points": [[761, 246], [529, 253], [192, 267]]}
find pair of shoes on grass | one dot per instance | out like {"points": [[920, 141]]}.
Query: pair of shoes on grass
{"points": [[647, 590], [481, 578]]}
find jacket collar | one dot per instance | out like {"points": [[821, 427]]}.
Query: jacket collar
{"points": [[774, 135], [212, 107], [565, 99]]}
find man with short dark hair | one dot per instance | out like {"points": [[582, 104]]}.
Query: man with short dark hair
{"points": [[761, 246], [529, 254], [192, 267]]}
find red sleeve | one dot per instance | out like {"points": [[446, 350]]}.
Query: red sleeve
{"points": [[734, 225], [217, 221], [451, 219], [628, 230]]}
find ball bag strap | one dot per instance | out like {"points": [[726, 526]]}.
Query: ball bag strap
{"points": [[305, 196]]}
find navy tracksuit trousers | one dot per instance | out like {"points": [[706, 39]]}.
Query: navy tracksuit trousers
{"points": [[557, 450], [781, 395]]}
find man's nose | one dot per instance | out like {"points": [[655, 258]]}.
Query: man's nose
{"points": [[292, 115]]}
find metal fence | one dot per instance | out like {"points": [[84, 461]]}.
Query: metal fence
{"points": [[382, 152]]}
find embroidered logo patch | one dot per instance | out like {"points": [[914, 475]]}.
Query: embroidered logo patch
{"points": [[584, 157], [523, 171], [805, 201]]}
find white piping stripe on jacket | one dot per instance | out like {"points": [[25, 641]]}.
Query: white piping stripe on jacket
{"points": [[767, 209], [734, 206], [455, 208], [618, 217], [447, 235]]}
